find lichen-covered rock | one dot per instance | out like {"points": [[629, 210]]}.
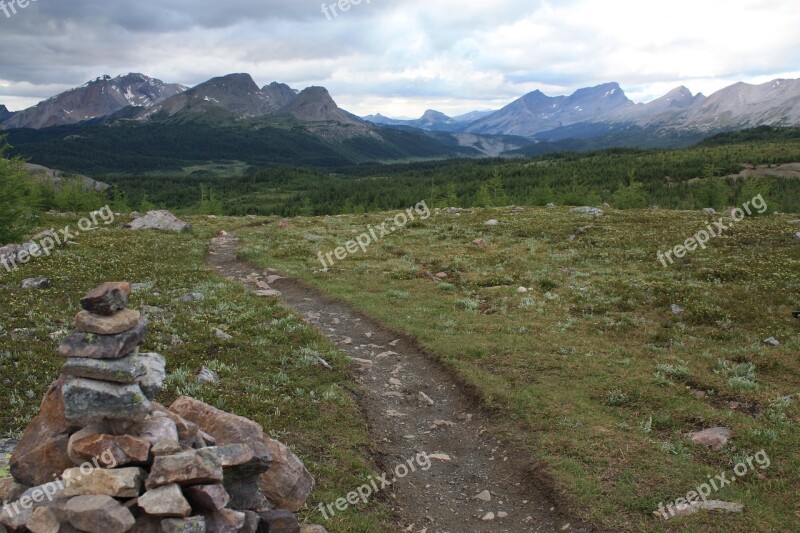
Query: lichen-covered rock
{"points": [[82, 344], [88, 400], [127, 370]]}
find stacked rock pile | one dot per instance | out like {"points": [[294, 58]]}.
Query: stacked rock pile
{"points": [[103, 456]]}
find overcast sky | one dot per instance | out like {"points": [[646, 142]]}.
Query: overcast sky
{"points": [[401, 57]]}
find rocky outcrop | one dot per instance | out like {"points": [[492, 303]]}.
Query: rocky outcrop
{"points": [[128, 463]]}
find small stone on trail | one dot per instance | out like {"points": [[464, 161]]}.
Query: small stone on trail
{"points": [[488, 517], [484, 496], [439, 457], [424, 398]]}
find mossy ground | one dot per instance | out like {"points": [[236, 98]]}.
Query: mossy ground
{"points": [[590, 372]]}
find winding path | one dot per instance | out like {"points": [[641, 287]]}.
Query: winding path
{"points": [[412, 406]]}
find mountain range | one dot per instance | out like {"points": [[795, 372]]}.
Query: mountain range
{"points": [[592, 117]]}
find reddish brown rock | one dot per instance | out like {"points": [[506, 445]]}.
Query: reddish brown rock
{"points": [[10, 490], [107, 325], [279, 521], [107, 299], [156, 429], [118, 483], [207, 498], [187, 430], [99, 514], [225, 428], [43, 520], [287, 484], [110, 450], [42, 452]]}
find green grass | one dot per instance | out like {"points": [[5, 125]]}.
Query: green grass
{"points": [[589, 371], [268, 370]]}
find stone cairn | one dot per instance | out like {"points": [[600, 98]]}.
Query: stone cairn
{"points": [[103, 456]]}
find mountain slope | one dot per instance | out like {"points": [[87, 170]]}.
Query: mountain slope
{"points": [[279, 93], [431, 120], [536, 112], [4, 113], [236, 93], [98, 98]]}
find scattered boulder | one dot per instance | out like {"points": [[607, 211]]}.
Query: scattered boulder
{"points": [[206, 375], [193, 297], [480, 242], [772, 341], [159, 220], [715, 438], [710, 211], [491, 222], [221, 335], [592, 211], [37, 283], [676, 309]]}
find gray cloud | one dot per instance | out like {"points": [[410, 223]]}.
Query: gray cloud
{"points": [[401, 56]]}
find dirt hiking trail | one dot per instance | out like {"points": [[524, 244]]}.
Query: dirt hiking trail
{"points": [[413, 405]]}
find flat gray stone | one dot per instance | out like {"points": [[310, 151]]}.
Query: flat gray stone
{"points": [[125, 370], [88, 400]]}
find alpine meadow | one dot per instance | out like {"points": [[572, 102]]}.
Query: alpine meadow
{"points": [[245, 289]]}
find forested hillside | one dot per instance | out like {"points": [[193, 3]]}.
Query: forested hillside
{"points": [[689, 178]]}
